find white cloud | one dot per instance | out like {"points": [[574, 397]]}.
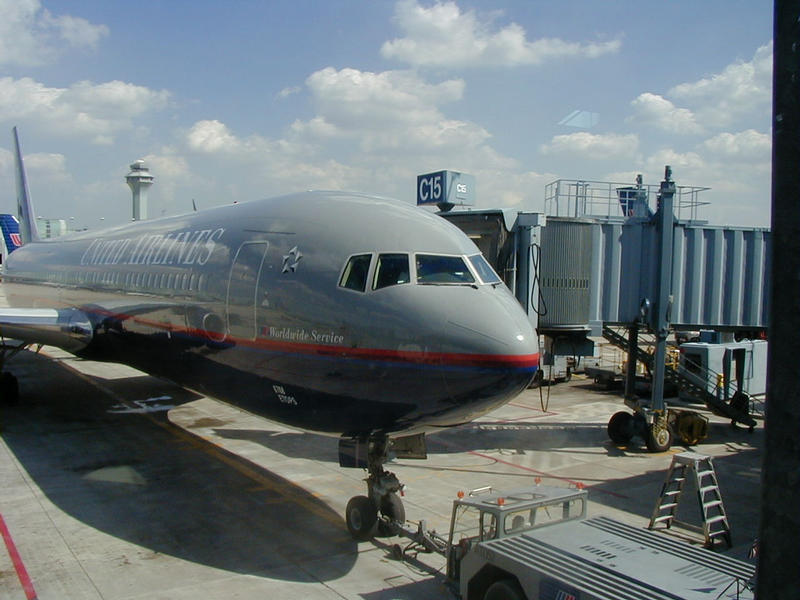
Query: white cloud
{"points": [[593, 146], [654, 110], [31, 35], [442, 35], [48, 177], [743, 90], [362, 99], [289, 91], [316, 128], [212, 137], [84, 109], [167, 163], [690, 164], [749, 145], [390, 111]]}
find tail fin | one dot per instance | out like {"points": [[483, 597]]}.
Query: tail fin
{"points": [[27, 218], [10, 227]]}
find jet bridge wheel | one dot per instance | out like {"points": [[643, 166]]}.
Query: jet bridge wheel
{"points": [[621, 427], [659, 438]]}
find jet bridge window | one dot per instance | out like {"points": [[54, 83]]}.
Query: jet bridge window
{"points": [[435, 269], [354, 276], [391, 269]]}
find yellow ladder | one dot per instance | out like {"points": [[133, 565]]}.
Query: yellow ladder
{"points": [[712, 511]]}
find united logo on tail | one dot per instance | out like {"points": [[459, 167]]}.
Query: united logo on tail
{"points": [[11, 235]]}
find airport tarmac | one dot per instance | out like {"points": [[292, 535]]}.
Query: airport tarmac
{"points": [[117, 485]]}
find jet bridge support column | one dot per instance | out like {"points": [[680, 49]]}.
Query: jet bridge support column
{"points": [[660, 438], [651, 422]]}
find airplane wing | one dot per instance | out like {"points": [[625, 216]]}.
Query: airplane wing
{"points": [[66, 328]]}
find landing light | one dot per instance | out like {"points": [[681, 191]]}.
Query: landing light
{"points": [[520, 337]]}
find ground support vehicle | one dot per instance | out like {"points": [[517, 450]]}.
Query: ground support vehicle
{"points": [[538, 544]]}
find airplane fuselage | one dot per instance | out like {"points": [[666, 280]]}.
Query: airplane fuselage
{"points": [[338, 313]]}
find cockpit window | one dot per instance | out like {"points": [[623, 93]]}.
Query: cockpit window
{"points": [[484, 269], [435, 269], [391, 269], [354, 276]]}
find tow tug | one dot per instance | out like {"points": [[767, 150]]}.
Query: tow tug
{"points": [[537, 543]]}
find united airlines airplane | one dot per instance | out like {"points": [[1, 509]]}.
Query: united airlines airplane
{"points": [[359, 317]]}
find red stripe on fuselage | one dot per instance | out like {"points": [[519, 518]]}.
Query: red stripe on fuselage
{"points": [[449, 359]]}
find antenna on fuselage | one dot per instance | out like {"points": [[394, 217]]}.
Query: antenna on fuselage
{"points": [[27, 220]]}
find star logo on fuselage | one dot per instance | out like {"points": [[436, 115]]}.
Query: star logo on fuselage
{"points": [[291, 260]]}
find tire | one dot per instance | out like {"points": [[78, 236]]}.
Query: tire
{"points": [[361, 517], [505, 589], [658, 440], [392, 508], [620, 427]]}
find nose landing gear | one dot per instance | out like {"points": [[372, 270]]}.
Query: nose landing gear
{"points": [[382, 496]]}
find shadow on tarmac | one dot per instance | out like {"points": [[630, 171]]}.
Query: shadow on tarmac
{"points": [[133, 476]]}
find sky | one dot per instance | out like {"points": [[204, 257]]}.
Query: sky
{"points": [[235, 101]]}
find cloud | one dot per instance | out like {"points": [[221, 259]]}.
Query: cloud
{"points": [[289, 91], [84, 109], [211, 137], [745, 146], [442, 35], [742, 90], [362, 99], [594, 146], [32, 36], [690, 163], [654, 110], [386, 111]]}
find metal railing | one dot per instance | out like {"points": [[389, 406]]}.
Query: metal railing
{"points": [[584, 198]]}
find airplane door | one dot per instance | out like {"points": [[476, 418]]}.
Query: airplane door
{"points": [[243, 286]]}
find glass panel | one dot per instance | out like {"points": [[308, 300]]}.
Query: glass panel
{"points": [[484, 269], [392, 269], [432, 269], [355, 273]]}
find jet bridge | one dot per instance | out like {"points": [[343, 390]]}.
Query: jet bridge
{"points": [[609, 255]]}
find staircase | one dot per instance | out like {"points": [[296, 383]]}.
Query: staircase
{"points": [[715, 520], [736, 410]]}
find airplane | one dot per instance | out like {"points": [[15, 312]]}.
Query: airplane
{"points": [[359, 317]]}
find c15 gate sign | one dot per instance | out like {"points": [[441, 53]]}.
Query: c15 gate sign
{"points": [[446, 189]]}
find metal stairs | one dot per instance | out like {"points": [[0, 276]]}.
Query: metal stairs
{"points": [[715, 520], [736, 410]]}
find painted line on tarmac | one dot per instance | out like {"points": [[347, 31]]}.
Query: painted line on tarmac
{"points": [[16, 559], [542, 474], [578, 484]]}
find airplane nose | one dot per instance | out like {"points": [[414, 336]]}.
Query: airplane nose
{"points": [[492, 349]]}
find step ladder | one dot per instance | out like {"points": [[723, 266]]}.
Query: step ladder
{"points": [[683, 467]]}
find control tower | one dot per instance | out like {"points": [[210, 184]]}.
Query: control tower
{"points": [[139, 180]]}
